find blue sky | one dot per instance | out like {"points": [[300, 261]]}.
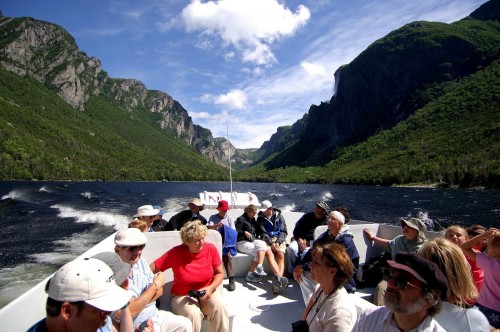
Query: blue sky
{"points": [[252, 64]]}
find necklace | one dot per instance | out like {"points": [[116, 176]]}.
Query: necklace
{"points": [[319, 306]]}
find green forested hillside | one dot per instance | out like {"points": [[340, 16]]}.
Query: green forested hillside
{"points": [[453, 140], [42, 137]]}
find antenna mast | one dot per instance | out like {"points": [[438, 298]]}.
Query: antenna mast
{"points": [[229, 161]]}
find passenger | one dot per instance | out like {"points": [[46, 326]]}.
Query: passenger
{"points": [[462, 291], [416, 289], [142, 225], [330, 308], [192, 213], [458, 235], [337, 233], [489, 296], [475, 230], [158, 222], [145, 286], [196, 266], [147, 213], [303, 233], [412, 239], [80, 297], [121, 270], [221, 222], [271, 228]]}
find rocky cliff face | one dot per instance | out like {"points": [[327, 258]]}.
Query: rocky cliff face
{"points": [[386, 83], [48, 53]]}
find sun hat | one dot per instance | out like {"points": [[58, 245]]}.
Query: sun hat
{"points": [[265, 205], [417, 225], [324, 206], [160, 210], [197, 202], [223, 206], [89, 280], [129, 237], [119, 267], [428, 272], [146, 211]]}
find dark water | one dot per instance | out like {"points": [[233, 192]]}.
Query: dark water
{"points": [[45, 224]]}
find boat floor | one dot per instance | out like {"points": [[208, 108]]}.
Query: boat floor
{"points": [[257, 308]]}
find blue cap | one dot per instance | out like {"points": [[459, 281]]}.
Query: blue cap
{"points": [[161, 212]]}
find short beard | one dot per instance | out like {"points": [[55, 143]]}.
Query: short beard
{"points": [[396, 306]]}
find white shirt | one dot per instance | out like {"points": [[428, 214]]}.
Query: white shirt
{"points": [[454, 318], [336, 312], [379, 319]]}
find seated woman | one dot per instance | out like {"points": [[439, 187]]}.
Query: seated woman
{"points": [[248, 244], [330, 308], [139, 223], [339, 233], [462, 291], [458, 235], [197, 266]]}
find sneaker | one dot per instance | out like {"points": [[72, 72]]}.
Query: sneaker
{"points": [[232, 285], [276, 283], [276, 289], [284, 282], [252, 277], [259, 270]]}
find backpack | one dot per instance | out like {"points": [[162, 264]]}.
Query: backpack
{"points": [[372, 272]]}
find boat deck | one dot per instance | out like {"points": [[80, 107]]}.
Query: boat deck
{"points": [[256, 308]]}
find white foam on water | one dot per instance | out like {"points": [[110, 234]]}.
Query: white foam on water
{"points": [[17, 194], [289, 208], [44, 189], [117, 221], [87, 195], [327, 196], [176, 204]]}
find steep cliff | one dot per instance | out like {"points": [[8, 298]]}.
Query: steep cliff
{"points": [[49, 54]]}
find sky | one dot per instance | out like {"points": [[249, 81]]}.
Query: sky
{"points": [[241, 68]]}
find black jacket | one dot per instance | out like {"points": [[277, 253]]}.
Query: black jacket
{"points": [[245, 224], [180, 219]]}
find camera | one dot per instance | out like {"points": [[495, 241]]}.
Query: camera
{"points": [[143, 325], [300, 326], [196, 294]]}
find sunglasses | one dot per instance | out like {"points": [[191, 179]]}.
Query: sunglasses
{"points": [[134, 248], [400, 280]]}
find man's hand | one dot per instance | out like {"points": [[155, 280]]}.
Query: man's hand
{"points": [[298, 273], [302, 244]]}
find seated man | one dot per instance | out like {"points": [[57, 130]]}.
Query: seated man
{"points": [[416, 289], [303, 233], [144, 286], [81, 297], [192, 213]]}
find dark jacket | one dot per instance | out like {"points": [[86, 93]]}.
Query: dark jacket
{"points": [[345, 238], [275, 223], [245, 224], [304, 228], [180, 219]]}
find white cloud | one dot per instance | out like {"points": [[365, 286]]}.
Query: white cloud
{"points": [[235, 99], [250, 27], [313, 69]]}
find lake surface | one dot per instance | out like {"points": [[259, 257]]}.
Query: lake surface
{"points": [[46, 224]]}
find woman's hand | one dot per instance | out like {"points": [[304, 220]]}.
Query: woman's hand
{"points": [[159, 279], [248, 235], [302, 244]]}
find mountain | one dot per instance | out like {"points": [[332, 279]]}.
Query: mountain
{"points": [[47, 53], [395, 78], [62, 117]]}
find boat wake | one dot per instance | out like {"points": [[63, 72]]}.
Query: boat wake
{"points": [[117, 221]]}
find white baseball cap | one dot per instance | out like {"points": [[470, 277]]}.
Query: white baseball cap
{"points": [[146, 211], [120, 269], [89, 280], [129, 237], [265, 205]]}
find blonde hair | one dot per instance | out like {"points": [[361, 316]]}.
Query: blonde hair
{"points": [[494, 240], [251, 208], [335, 255], [451, 261], [139, 223], [193, 231]]}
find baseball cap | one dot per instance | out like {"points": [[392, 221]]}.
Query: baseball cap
{"points": [[160, 210], [428, 272], [146, 211], [120, 269], [265, 205], [89, 280], [129, 237]]}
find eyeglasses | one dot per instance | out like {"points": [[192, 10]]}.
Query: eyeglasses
{"points": [[134, 248], [400, 280]]}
